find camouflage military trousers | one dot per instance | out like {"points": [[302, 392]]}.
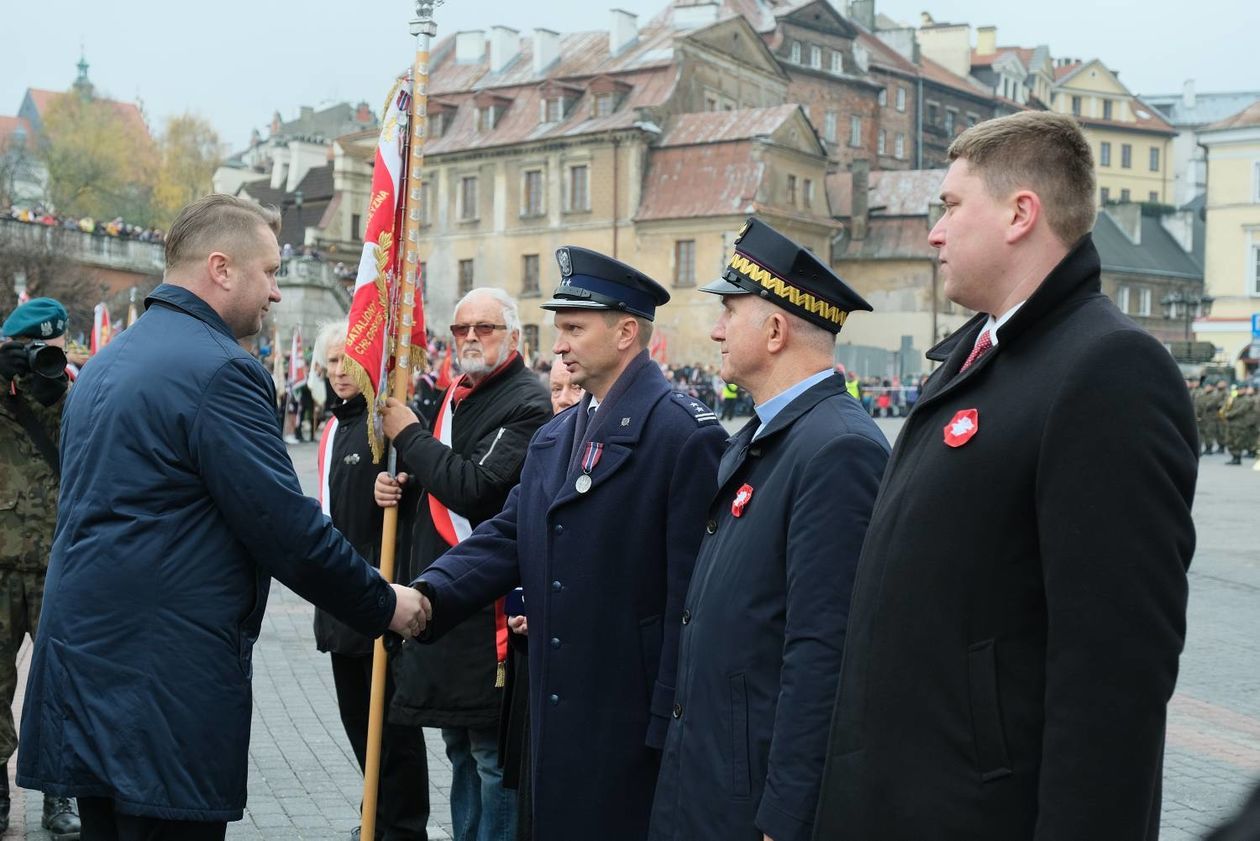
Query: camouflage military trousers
{"points": [[21, 595]]}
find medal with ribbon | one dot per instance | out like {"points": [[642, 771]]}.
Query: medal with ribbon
{"points": [[590, 458]]}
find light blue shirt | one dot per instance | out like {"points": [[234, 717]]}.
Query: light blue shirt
{"points": [[766, 411]]}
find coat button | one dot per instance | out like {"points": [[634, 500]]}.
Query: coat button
{"points": [[556, 586], [711, 527], [559, 529], [555, 642], [686, 616], [554, 699], [677, 709]]}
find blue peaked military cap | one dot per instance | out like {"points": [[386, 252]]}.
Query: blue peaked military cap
{"points": [[591, 281], [768, 264], [38, 318]]}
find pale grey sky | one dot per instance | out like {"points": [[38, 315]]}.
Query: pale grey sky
{"points": [[235, 62]]}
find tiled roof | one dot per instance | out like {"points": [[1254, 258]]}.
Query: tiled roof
{"points": [[719, 179], [938, 73], [892, 238], [1024, 54], [11, 125], [1062, 72], [722, 126], [1249, 116], [1147, 119], [1208, 107], [521, 122], [1157, 254], [129, 111], [889, 192]]}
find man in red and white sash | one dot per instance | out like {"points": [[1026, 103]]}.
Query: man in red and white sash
{"points": [[456, 475]]}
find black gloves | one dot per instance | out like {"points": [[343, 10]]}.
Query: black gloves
{"points": [[14, 361]]}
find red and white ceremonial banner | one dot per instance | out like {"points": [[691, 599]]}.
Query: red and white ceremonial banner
{"points": [[368, 355], [323, 462], [101, 332], [297, 361]]}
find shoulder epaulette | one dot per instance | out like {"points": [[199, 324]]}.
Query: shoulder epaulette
{"points": [[697, 411]]}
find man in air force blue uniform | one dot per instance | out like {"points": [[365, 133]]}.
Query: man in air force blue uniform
{"points": [[602, 532]]}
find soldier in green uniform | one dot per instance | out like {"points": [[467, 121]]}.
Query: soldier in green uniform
{"points": [[1199, 395], [33, 383], [1241, 415], [1214, 431]]}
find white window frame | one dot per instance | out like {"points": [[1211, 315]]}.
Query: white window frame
{"points": [[837, 62], [882, 98], [901, 98], [855, 131], [1144, 301], [899, 147], [542, 192], [830, 126], [1253, 266], [882, 142], [1122, 299], [794, 54], [569, 205], [815, 56], [807, 192], [466, 214]]}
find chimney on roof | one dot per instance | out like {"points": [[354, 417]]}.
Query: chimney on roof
{"points": [[470, 47], [863, 11], [1187, 93], [1128, 218], [505, 45], [986, 40], [363, 114], [624, 31], [859, 213], [275, 123], [695, 15], [546, 49], [1180, 226]]}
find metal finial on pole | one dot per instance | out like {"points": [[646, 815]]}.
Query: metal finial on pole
{"points": [[423, 28]]}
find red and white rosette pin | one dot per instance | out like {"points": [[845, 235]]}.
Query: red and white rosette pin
{"points": [[742, 497], [962, 428]]}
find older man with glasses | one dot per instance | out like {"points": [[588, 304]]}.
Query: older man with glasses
{"points": [[451, 479]]}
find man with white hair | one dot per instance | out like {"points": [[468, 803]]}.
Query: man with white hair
{"points": [[457, 475]]}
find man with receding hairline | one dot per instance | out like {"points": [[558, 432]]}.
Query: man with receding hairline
{"points": [[178, 505], [1020, 602]]}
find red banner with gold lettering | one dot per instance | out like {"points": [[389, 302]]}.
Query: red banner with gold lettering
{"points": [[375, 304]]}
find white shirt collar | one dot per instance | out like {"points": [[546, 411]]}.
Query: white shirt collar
{"points": [[993, 325]]}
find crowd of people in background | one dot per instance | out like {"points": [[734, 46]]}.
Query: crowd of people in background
{"points": [[117, 227]]}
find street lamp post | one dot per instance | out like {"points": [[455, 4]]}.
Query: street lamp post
{"points": [[1185, 305]]}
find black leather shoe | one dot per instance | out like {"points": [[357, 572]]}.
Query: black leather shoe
{"points": [[4, 800], [61, 818]]}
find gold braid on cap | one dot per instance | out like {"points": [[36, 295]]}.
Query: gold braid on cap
{"points": [[780, 287]]}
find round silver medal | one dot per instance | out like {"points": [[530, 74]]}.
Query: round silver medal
{"points": [[583, 483]]}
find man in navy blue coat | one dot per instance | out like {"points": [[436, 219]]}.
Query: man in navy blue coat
{"points": [[602, 533], [178, 505], [763, 625]]}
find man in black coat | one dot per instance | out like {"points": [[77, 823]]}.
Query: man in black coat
{"points": [[1020, 602], [464, 470], [602, 533], [763, 623], [346, 478]]}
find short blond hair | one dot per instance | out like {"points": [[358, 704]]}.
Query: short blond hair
{"points": [[1038, 151], [216, 222]]}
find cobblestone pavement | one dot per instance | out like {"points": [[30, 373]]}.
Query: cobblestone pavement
{"points": [[304, 783]]}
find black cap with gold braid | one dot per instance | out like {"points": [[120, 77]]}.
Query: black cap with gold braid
{"points": [[768, 264]]}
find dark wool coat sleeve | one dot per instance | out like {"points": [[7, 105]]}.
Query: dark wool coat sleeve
{"points": [[472, 483], [284, 530], [1115, 582], [823, 536], [690, 491]]}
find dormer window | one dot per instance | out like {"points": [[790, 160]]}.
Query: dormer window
{"points": [[607, 94], [837, 62], [557, 99], [490, 109], [815, 57], [440, 115], [796, 52]]}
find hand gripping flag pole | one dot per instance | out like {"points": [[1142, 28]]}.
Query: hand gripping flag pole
{"points": [[407, 324]]}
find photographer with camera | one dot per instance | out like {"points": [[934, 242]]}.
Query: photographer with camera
{"points": [[33, 385]]}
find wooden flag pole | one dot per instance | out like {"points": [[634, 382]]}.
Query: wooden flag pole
{"points": [[424, 28]]}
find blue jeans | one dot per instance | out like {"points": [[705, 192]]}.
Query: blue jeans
{"points": [[481, 809]]}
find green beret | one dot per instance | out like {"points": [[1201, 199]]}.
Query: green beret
{"points": [[38, 318]]}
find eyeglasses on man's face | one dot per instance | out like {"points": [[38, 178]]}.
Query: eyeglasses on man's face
{"points": [[481, 328]]}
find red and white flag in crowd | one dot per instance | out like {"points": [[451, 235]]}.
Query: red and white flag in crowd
{"points": [[101, 332], [297, 361], [368, 355]]}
